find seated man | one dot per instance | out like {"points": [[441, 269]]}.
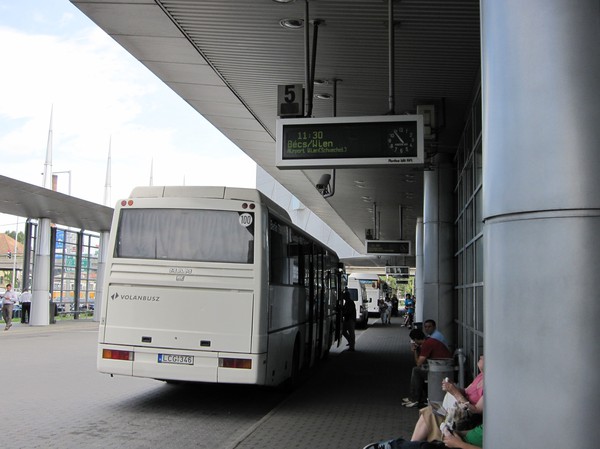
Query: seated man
{"points": [[423, 349], [430, 329]]}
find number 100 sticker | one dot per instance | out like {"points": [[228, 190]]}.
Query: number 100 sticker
{"points": [[246, 219]]}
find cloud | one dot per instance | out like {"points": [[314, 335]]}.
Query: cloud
{"points": [[100, 94]]}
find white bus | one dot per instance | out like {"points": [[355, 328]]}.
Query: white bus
{"points": [[214, 284], [358, 293], [371, 283]]}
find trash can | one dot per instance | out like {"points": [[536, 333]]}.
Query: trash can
{"points": [[438, 370], [52, 312]]}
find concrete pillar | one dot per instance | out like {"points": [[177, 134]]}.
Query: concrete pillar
{"points": [[419, 270], [101, 274], [438, 254], [541, 141], [40, 309]]}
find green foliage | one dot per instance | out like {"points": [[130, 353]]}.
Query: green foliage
{"points": [[20, 236]]}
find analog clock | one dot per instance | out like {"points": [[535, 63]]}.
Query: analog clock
{"points": [[402, 140]]}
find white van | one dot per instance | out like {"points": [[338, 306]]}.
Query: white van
{"points": [[371, 284], [358, 293]]}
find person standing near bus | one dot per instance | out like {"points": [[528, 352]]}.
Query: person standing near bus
{"points": [[25, 300], [349, 316], [8, 303]]}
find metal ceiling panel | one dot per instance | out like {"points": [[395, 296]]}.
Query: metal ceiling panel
{"points": [[240, 48]]}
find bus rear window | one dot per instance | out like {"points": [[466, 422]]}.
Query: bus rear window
{"points": [[186, 234]]}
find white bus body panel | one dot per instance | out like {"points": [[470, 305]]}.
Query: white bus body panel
{"points": [[359, 294], [373, 294], [179, 318]]}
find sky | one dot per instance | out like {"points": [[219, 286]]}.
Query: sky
{"points": [[57, 63]]}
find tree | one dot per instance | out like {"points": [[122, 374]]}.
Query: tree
{"points": [[20, 236]]}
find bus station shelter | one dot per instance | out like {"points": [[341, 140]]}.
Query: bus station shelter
{"points": [[497, 208]]}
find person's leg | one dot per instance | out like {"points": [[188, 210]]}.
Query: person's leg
{"points": [[7, 315], [345, 332], [428, 426], [421, 429], [27, 308], [417, 383], [398, 443], [351, 334]]}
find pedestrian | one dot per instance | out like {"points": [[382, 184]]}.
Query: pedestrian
{"points": [[409, 305], [388, 309], [8, 303], [25, 300], [349, 317], [382, 310], [430, 329], [394, 305]]}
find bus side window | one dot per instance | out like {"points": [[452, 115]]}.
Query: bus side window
{"points": [[278, 247]]}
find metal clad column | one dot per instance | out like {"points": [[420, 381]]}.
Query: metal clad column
{"points": [[438, 256], [40, 305], [419, 269], [541, 143], [101, 273]]}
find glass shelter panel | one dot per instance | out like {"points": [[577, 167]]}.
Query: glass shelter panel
{"points": [[469, 237]]}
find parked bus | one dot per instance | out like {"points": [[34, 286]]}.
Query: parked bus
{"points": [[214, 284], [358, 293], [371, 283]]}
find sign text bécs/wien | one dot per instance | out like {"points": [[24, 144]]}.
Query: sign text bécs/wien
{"points": [[386, 140]]}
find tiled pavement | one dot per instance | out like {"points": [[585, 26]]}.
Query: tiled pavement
{"points": [[348, 401]]}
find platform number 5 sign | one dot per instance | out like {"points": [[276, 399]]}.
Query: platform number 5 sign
{"points": [[290, 100]]}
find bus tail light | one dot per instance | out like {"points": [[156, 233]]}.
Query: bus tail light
{"points": [[235, 363], [115, 354]]}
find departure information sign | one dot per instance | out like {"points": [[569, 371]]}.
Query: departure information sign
{"points": [[384, 247], [387, 140]]}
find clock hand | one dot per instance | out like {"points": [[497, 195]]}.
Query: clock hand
{"points": [[398, 136]]}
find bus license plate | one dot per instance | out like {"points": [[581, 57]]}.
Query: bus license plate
{"points": [[176, 359]]}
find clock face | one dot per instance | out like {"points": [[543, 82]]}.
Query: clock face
{"points": [[402, 140]]}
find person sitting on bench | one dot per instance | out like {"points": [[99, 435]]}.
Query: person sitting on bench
{"points": [[423, 348]]}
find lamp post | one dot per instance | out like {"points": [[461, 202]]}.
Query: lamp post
{"points": [[15, 254]]}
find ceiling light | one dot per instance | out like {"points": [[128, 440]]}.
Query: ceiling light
{"points": [[320, 82], [292, 24], [284, 1], [324, 96]]}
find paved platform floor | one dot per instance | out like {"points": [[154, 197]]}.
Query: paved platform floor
{"points": [[351, 399]]}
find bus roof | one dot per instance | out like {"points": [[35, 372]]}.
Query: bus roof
{"points": [[216, 192], [372, 276]]}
